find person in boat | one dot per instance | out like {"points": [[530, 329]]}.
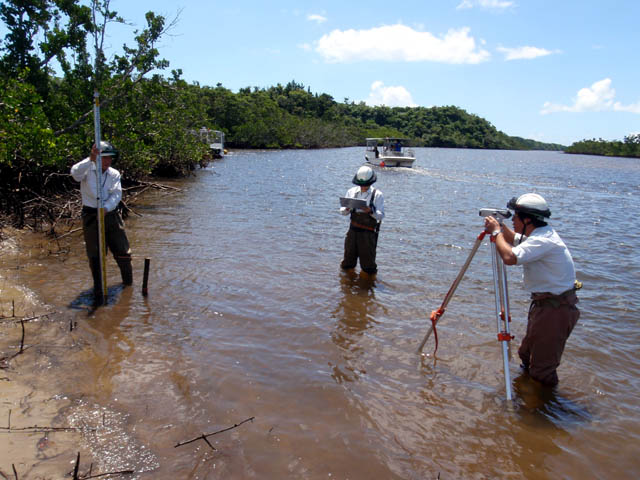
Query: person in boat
{"points": [[549, 274], [362, 237], [376, 152], [398, 146], [115, 235]]}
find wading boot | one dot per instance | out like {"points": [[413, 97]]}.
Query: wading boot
{"points": [[126, 270], [98, 296]]}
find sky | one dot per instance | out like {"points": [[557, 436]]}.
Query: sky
{"points": [[555, 71]]}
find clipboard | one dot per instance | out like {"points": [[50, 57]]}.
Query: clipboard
{"points": [[353, 203]]}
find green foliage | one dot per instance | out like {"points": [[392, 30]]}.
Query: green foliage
{"points": [[29, 152], [25, 135], [46, 120], [630, 147], [62, 26]]}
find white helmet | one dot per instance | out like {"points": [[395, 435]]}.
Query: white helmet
{"points": [[530, 204], [364, 176]]}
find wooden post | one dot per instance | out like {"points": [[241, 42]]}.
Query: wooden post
{"points": [[145, 278]]}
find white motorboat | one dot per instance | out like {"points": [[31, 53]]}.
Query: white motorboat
{"points": [[389, 152], [215, 140]]}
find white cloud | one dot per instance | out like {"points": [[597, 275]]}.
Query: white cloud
{"points": [[485, 4], [526, 53], [400, 43], [314, 17], [597, 98], [632, 108], [396, 96]]}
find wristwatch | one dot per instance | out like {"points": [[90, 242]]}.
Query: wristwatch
{"points": [[496, 233]]}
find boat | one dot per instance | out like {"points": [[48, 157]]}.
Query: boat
{"points": [[215, 140], [389, 152]]}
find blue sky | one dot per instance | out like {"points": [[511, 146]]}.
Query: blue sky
{"points": [[555, 71]]}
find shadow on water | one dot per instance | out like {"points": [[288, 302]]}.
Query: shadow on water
{"points": [[84, 300], [540, 405]]}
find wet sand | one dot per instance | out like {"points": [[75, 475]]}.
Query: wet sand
{"points": [[43, 423]]}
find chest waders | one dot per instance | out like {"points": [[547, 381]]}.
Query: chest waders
{"points": [[364, 221], [361, 241]]}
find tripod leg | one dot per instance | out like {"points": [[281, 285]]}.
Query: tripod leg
{"points": [[502, 311], [451, 291]]}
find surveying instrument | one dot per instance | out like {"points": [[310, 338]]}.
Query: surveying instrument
{"points": [[503, 317]]}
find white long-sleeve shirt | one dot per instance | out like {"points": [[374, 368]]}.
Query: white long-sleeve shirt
{"points": [[85, 173], [546, 261], [378, 201]]}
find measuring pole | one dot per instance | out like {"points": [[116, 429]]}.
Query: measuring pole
{"points": [[102, 247], [502, 311]]}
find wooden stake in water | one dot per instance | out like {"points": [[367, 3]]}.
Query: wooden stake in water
{"points": [[102, 247], [145, 278]]}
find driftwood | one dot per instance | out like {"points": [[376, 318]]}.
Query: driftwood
{"points": [[204, 436], [41, 429], [13, 319], [159, 186], [49, 212], [77, 476], [4, 361], [69, 233]]}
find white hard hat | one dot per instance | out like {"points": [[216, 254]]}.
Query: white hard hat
{"points": [[530, 204], [364, 176], [108, 150]]}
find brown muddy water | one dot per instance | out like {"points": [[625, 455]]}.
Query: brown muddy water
{"points": [[248, 316]]}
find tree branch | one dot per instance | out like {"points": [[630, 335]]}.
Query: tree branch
{"points": [[204, 436]]}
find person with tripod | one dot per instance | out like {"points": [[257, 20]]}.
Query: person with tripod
{"points": [[362, 237], [115, 235], [549, 274]]}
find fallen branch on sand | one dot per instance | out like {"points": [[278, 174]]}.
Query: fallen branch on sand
{"points": [[25, 319], [77, 476], [41, 429], [204, 436]]}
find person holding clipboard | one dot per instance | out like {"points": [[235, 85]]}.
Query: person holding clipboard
{"points": [[365, 205]]}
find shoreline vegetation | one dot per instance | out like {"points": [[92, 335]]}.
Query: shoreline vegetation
{"points": [[628, 147], [46, 116]]}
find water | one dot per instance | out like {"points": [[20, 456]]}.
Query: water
{"points": [[249, 316]]}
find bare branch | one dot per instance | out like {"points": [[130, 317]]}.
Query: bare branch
{"points": [[204, 436]]}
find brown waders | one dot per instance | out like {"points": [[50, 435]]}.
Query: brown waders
{"points": [[551, 320], [361, 242], [116, 241]]}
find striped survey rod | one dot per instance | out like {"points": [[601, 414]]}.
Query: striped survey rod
{"points": [[102, 247]]}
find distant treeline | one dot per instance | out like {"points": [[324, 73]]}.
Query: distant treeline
{"points": [[629, 147], [293, 117], [46, 119]]}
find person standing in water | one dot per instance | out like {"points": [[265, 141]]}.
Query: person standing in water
{"points": [[111, 193], [362, 237], [549, 274]]}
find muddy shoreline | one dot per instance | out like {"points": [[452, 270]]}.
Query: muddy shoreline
{"points": [[48, 414]]}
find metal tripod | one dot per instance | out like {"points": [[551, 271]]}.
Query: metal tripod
{"points": [[501, 296], [503, 316]]}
